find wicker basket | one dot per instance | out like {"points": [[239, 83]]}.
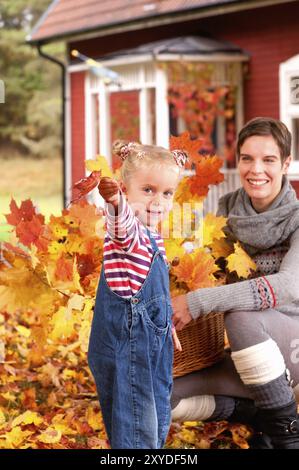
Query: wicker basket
{"points": [[202, 342]]}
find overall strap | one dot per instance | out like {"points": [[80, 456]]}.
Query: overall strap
{"points": [[152, 240]]}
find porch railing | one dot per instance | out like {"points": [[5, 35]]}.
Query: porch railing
{"points": [[231, 183]]}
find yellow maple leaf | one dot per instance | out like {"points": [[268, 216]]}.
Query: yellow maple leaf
{"points": [[94, 419], [212, 228], [174, 248], [28, 417], [15, 437], [99, 164], [2, 417], [55, 249], [240, 262], [187, 435], [8, 396], [24, 288], [63, 324], [23, 331], [221, 248], [84, 333]]}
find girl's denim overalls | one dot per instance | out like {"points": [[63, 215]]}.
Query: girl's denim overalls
{"points": [[130, 356]]}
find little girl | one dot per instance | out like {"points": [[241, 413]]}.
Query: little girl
{"points": [[130, 349]]}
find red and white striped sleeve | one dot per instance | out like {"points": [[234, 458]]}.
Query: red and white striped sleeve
{"points": [[122, 228]]}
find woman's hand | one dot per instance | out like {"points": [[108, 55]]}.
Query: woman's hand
{"points": [[181, 313], [109, 190]]}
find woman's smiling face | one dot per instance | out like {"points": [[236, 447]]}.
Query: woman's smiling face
{"points": [[261, 170]]}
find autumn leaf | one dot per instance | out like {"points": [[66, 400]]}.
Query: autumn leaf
{"points": [[2, 418], [99, 164], [183, 193], [50, 436], [29, 225], [207, 173], [15, 437], [196, 269], [240, 262], [85, 185], [25, 213], [22, 289], [221, 248], [212, 228], [28, 417], [240, 435], [86, 216], [63, 322], [174, 248], [184, 142]]}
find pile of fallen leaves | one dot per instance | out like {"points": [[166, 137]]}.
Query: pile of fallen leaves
{"points": [[48, 279]]}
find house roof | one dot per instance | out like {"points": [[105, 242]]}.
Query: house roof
{"points": [[184, 45], [65, 18]]}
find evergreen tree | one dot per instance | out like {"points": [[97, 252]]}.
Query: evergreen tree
{"points": [[30, 118]]}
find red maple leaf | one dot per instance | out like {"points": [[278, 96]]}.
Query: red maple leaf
{"points": [[87, 184], [32, 231], [24, 213]]}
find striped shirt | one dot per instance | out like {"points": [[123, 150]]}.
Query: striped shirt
{"points": [[127, 251]]}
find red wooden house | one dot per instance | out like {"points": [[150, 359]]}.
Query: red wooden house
{"points": [[250, 46]]}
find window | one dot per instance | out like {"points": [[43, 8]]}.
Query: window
{"points": [[295, 135]]}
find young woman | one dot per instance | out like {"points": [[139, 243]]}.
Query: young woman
{"points": [[261, 314]]}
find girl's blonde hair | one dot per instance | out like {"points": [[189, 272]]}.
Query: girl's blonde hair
{"points": [[135, 156]]}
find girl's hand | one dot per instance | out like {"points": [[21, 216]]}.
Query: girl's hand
{"points": [[109, 190], [181, 314], [176, 341]]}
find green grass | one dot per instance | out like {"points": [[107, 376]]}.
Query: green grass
{"points": [[27, 178]]}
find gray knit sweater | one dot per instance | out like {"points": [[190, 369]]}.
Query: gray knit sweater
{"points": [[277, 282]]}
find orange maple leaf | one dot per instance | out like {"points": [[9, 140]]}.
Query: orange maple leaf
{"points": [[87, 184], [24, 213], [196, 269], [32, 231], [207, 172], [183, 142], [64, 269]]}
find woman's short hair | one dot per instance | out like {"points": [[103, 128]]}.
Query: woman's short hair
{"points": [[265, 126]]}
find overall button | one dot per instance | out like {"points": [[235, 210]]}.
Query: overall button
{"points": [[135, 301]]}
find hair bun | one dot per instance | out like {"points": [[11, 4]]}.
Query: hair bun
{"points": [[123, 148], [118, 147]]}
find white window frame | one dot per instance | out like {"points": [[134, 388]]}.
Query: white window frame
{"points": [[289, 111]]}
